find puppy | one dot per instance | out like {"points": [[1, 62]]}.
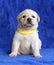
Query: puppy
{"points": [[26, 39]]}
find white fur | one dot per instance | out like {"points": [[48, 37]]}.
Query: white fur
{"points": [[26, 44]]}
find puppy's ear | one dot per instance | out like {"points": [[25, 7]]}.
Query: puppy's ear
{"points": [[38, 18], [19, 17]]}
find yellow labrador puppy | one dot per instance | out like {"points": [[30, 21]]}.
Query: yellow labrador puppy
{"points": [[26, 39]]}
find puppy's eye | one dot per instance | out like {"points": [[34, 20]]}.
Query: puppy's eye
{"points": [[24, 16], [33, 16]]}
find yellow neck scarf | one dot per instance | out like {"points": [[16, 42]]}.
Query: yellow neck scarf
{"points": [[25, 32]]}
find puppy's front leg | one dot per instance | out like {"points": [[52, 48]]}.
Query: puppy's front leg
{"points": [[36, 48], [15, 48]]}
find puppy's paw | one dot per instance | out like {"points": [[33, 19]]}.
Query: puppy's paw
{"points": [[38, 55], [12, 54]]}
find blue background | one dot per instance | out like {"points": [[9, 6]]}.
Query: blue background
{"points": [[9, 9]]}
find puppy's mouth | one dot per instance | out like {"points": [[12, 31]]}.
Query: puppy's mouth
{"points": [[28, 25]]}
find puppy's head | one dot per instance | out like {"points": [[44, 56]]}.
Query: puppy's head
{"points": [[28, 19]]}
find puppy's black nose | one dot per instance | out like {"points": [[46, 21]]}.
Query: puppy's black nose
{"points": [[29, 20]]}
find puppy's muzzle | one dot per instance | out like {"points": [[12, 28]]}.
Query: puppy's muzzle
{"points": [[29, 21]]}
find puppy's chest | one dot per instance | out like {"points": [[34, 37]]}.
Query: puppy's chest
{"points": [[26, 38], [25, 44]]}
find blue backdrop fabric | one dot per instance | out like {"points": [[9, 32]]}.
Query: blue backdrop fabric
{"points": [[9, 9]]}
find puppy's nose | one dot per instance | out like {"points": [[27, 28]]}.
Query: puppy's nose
{"points": [[28, 20]]}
